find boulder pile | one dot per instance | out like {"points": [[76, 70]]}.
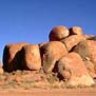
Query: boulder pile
{"points": [[69, 52]]}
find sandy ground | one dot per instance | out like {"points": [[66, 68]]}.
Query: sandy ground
{"points": [[50, 92], [39, 84]]}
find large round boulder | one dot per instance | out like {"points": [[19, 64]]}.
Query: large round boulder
{"points": [[31, 59], [76, 30], [51, 53], [73, 70], [87, 49], [58, 33], [10, 56]]}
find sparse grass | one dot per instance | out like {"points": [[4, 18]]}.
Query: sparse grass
{"points": [[28, 80]]}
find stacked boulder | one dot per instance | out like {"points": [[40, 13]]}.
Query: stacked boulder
{"points": [[70, 53], [31, 59], [11, 58], [51, 53]]}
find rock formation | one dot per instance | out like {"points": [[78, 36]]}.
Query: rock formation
{"points": [[31, 59], [76, 30], [74, 71], [72, 41], [52, 52], [10, 56], [58, 33], [70, 52]]}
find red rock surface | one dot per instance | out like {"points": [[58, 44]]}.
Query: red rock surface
{"points": [[10, 56], [58, 33], [74, 71], [87, 49], [72, 41], [53, 51], [91, 68], [31, 59], [76, 30]]}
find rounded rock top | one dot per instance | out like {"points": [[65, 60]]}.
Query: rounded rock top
{"points": [[58, 33], [76, 30]]}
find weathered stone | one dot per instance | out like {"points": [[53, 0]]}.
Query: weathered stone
{"points": [[10, 56], [31, 59], [91, 69], [92, 50], [51, 53], [76, 30], [74, 71], [72, 41], [82, 49], [87, 49], [58, 33]]}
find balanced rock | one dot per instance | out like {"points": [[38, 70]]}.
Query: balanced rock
{"points": [[74, 71], [10, 56], [31, 59], [72, 41], [51, 53], [58, 33], [76, 30]]}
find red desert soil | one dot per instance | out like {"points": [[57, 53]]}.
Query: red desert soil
{"points": [[50, 92]]}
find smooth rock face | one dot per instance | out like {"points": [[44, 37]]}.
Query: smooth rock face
{"points": [[10, 56], [58, 33], [76, 30], [72, 41], [31, 59], [51, 53], [92, 50], [82, 49], [87, 49], [74, 71], [91, 68]]}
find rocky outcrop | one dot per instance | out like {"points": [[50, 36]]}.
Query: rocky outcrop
{"points": [[31, 59], [87, 50], [70, 54], [74, 71]]}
